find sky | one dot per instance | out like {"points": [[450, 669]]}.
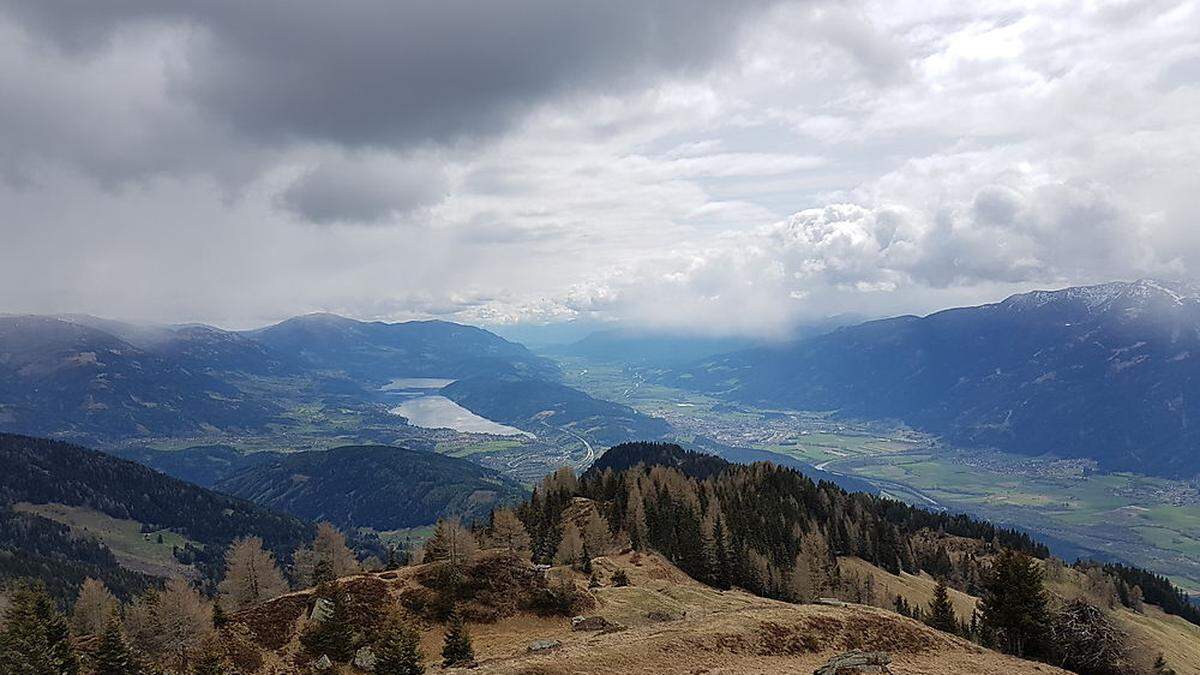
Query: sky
{"points": [[716, 167]]}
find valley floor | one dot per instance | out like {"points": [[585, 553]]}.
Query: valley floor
{"points": [[1150, 522]]}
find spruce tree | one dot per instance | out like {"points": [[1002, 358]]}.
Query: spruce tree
{"points": [[209, 663], [723, 574], [35, 637], [323, 572], [1014, 612], [218, 614], [941, 611], [457, 649], [113, 656], [398, 651], [334, 636]]}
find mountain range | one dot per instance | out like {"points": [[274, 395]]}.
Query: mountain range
{"points": [[1108, 372], [91, 379]]}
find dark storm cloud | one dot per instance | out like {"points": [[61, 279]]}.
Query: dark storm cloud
{"points": [[364, 190], [376, 73]]}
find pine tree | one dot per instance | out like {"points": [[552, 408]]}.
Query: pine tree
{"points": [[398, 651], [35, 638], [92, 608], [620, 578], [457, 649], [251, 575], [508, 531], [209, 662], [452, 543], [941, 611], [723, 577], [322, 572], [113, 656], [585, 559], [1014, 610], [329, 546], [218, 614]]}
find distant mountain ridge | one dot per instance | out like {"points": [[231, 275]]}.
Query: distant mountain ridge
{"points": [[381, 487], [92, 379], [377, 351], [1109, 372], [58, 377]]}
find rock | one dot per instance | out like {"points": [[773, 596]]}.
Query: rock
{"points": [[322, 610], [544, 645], [588, 623], [856, 662], [322, 663], [364, 659]]}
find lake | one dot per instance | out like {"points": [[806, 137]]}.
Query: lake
{"points": [[432, 411]]}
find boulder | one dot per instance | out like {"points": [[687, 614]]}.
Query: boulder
{"points": [[322, 610], [590, 623], [658, 615], [322, 664], [855, 662], [364, 659], [544, 645]]}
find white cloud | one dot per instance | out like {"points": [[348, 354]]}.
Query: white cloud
{"points": [[825, 157]]}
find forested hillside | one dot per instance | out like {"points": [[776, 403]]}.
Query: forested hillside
{"points": [[380, 487], [749, 525], [39, 471], [538, 406]]}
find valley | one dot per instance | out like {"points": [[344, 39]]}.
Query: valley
{"points": [[1152, 522]]}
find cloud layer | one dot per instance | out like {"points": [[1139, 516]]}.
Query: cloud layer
{"points": [[725, 167]]}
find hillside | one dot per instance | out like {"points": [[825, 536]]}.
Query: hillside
{"points": [[618, 458], [663, 622], [1103, 372], [124, 503], [71, 380], [540, 406], [204, 465], [377, 351], [380, 487]]}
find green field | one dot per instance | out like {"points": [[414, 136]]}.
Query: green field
{"points": [[149, 552]]}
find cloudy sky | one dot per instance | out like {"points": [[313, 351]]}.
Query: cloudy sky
{"points": [[715, 166]]}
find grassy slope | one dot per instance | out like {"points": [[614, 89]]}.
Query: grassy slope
{"points": [[1150, 632], [133, 549], [708, 630]]}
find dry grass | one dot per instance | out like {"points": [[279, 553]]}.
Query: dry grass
{"points": [[699, 629], [917, 590], [725, 632]]}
